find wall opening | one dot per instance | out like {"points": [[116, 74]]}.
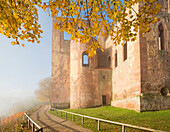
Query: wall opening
{"points": [[115, 59], [109, 61], [161, 38], [85, 59], [125, 51], [104, 99], [164, 91]]}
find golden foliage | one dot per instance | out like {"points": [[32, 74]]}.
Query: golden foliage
{"points": [[86, 19], [19, 20], [17, 115]]}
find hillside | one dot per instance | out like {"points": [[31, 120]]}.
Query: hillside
{"points": [[14, 123]]}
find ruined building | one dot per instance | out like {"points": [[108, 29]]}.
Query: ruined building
{"points": [[136, 76]]}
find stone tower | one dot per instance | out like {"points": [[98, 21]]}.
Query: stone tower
{"points": [[60, 92], [83, 83]]}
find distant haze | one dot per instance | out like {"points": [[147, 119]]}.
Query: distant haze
{"points": [[6, 104], [11, 106], [21, 68]]}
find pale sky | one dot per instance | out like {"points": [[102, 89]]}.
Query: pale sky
{"points": [[21, 68]]}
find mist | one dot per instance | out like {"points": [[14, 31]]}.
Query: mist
{"points": [[21, 68], [6, 104], [12, 105]]}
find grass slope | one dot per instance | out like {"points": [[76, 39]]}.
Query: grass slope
{"points": [[159, 120], [15, 123]]}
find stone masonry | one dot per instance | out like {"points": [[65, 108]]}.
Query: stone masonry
{"points": [[139, 80]]}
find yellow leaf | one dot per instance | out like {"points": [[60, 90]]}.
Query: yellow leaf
{"points": [[39, 5], [102, 50], [13, 43]]}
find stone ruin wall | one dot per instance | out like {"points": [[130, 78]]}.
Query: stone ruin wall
{"points": [[105, 85], [103, 68], [126, 77], [73, 84], [84, 91], [155, 66], [126, 86], [60, 92], [135, 83], [88, 84], [104, 72]]}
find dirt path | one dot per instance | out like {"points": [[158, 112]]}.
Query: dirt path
{"points": [[51, 123]]}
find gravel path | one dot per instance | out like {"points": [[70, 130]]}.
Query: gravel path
{"points": [[51, 123]]}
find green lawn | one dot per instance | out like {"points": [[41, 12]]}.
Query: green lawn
{"points": [[159, 120]]}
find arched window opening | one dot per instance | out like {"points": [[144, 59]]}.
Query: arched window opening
{"points": [[115, 59], [125, 51], [161, 40], [85, 59]]}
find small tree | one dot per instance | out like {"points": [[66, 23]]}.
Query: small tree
{"points": [[43, 93]]}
